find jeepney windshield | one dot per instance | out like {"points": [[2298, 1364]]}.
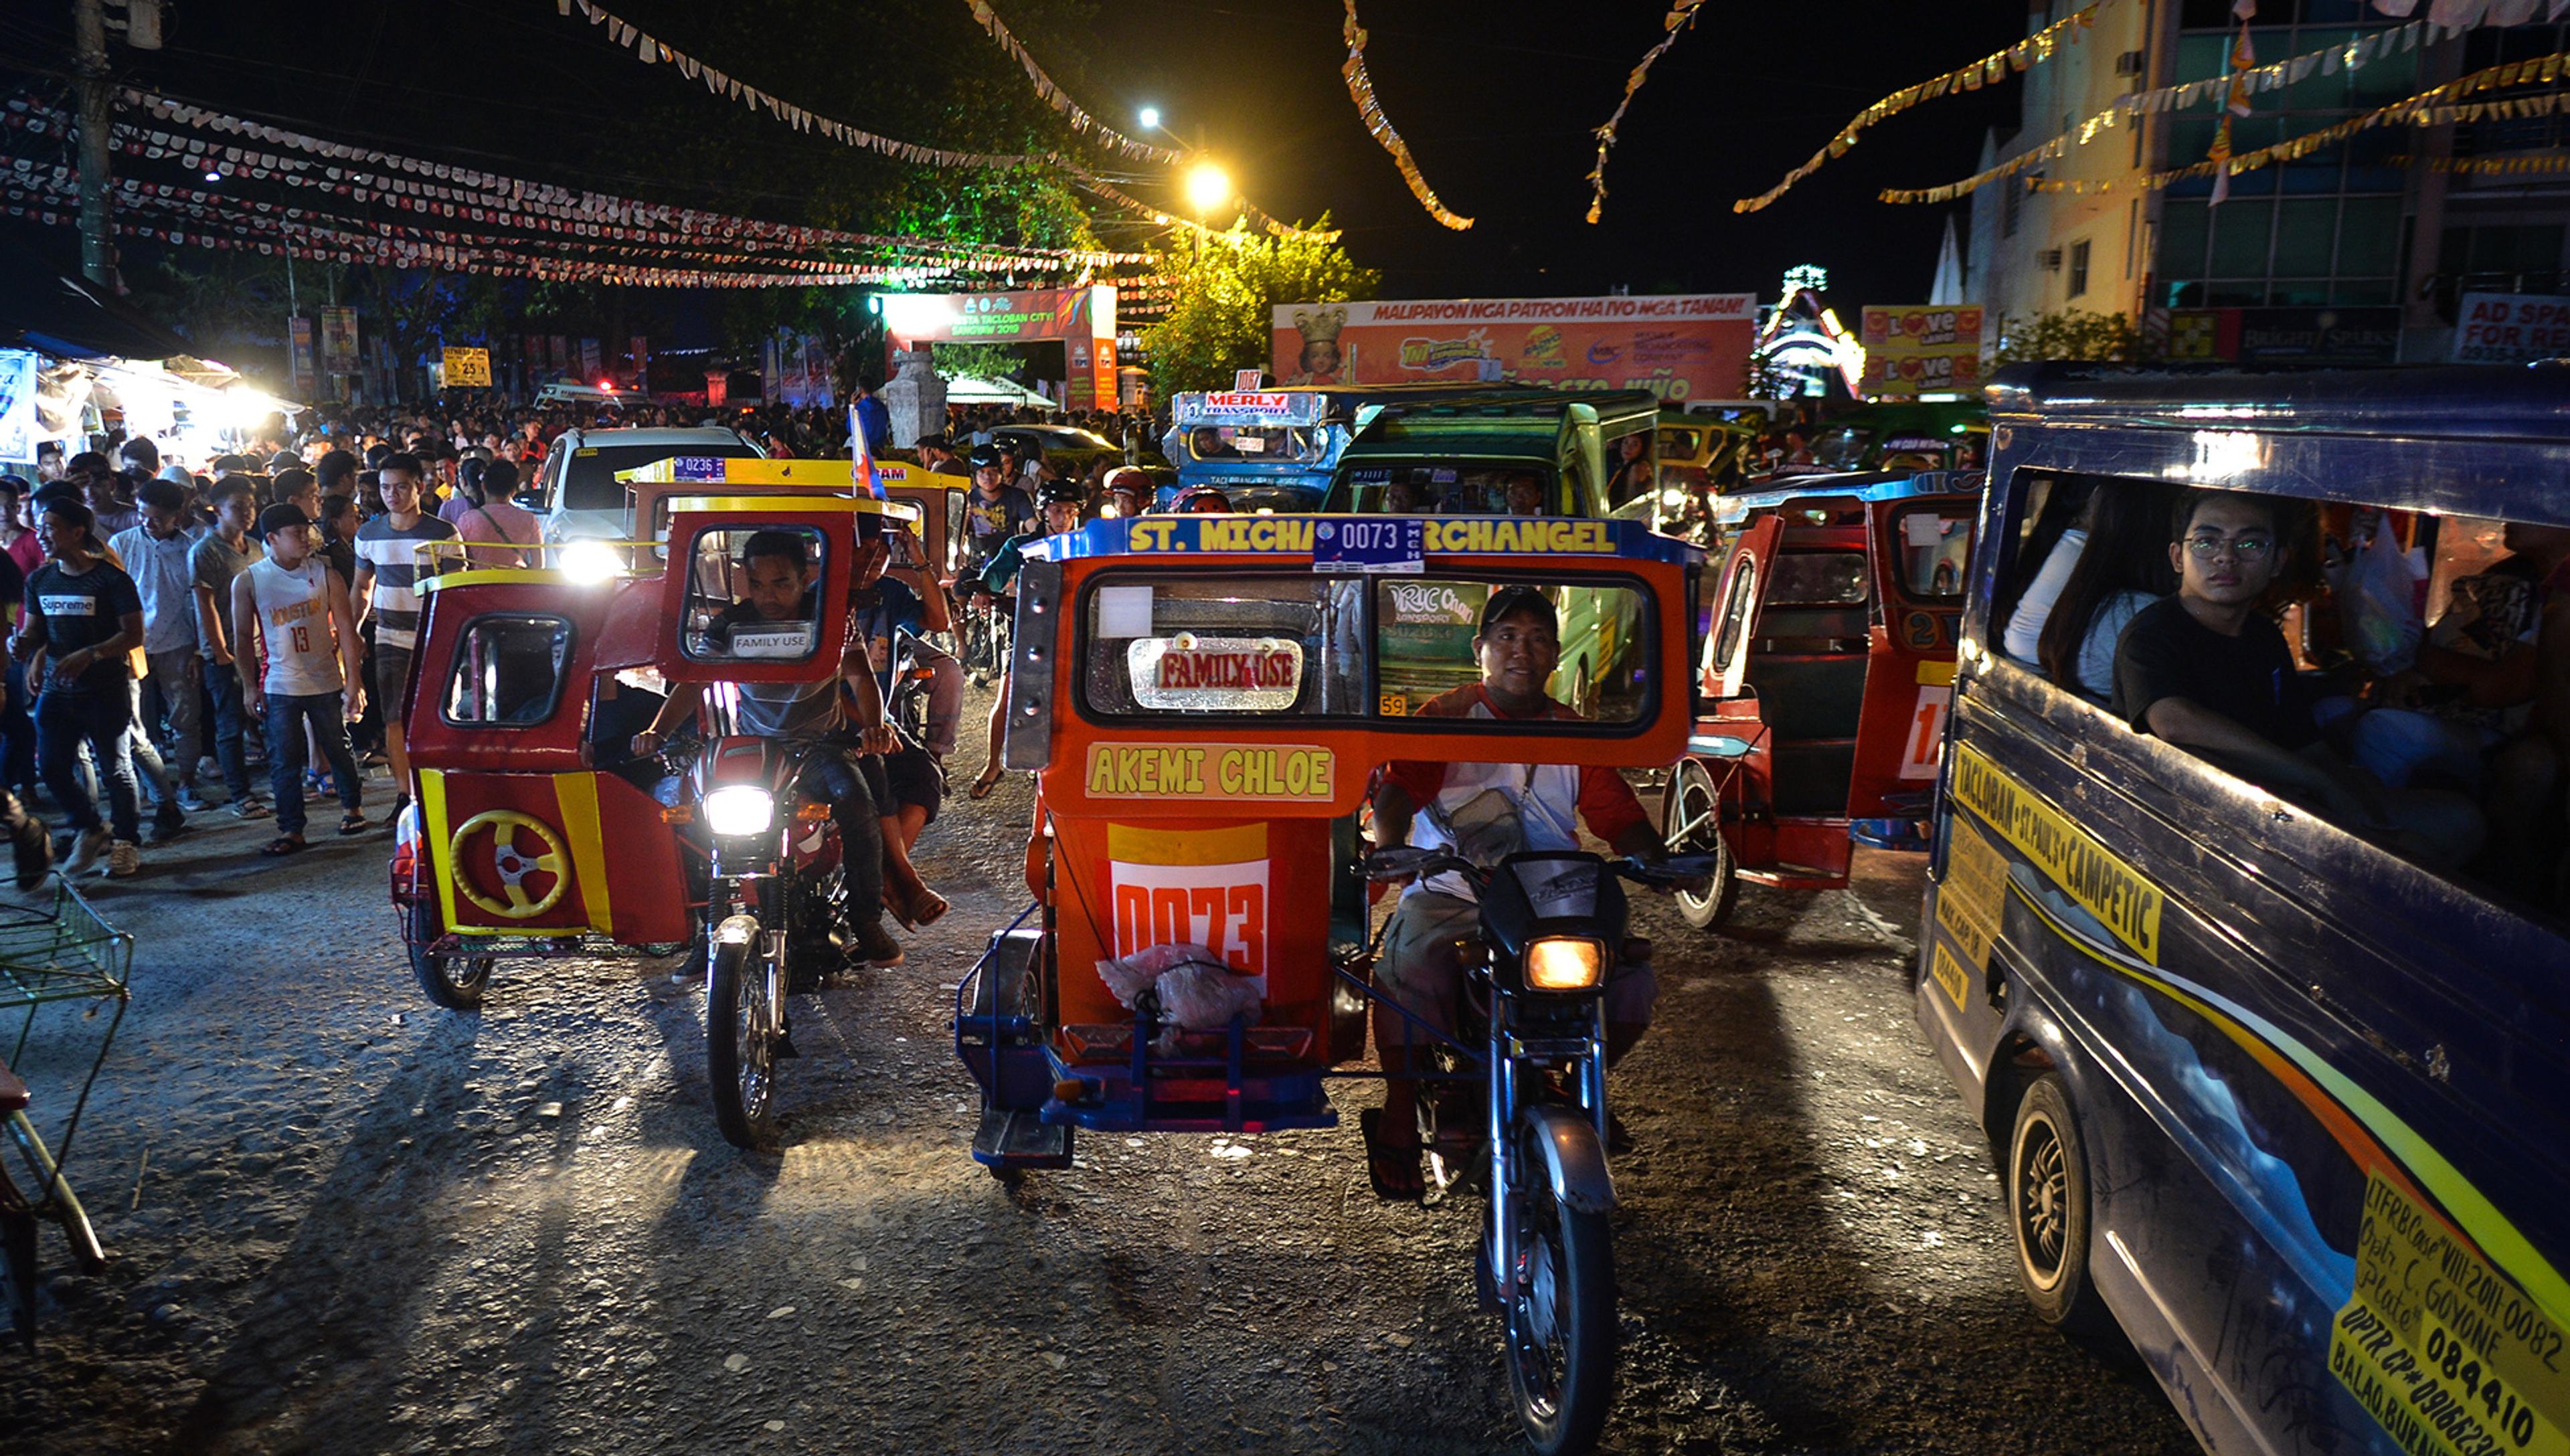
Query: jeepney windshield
{"points": [[753, 596], [1345, 647], [1842, 448], [1293, 444], [1454, 490]]}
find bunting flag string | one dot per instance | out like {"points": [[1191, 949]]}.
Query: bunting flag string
{"points": [[1054, 96], [1681, 15], [484, 197], [2352, 56], [651, 51], [2437, 106], [1370, 111], [628, 36], [2034, 50]]}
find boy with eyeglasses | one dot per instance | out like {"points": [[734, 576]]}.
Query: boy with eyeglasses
{"points": [[2208, 671]]}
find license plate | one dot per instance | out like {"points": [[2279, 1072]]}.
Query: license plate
{"points": [[1393, 544]]}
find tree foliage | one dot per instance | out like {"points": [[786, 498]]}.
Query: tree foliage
{"points": [[1228, 285], [979, 361], [2069, 333]]}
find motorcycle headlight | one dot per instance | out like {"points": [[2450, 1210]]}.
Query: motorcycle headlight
{"points": [[1564, 964], [591, 562], [740, 810], [1674, 499]]}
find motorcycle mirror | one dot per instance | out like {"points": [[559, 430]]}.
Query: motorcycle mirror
{"points": [[1399, 862]]}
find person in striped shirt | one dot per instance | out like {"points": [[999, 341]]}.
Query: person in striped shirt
{"points": [[388, 585]]}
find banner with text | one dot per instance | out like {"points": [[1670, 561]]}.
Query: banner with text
{"points": [[468, 368], [1678, 346], [2511, 328], [1915, 350]]}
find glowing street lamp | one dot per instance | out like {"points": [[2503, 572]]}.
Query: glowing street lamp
{"points": [[1150, 118], [1208, 186]]}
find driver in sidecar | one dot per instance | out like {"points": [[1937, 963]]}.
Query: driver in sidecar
{"points": [[1483, 812], [811, 717]]}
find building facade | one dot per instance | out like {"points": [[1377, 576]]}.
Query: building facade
{"points": [[2360, 251]]}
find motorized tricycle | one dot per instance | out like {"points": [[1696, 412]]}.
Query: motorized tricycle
{"points": [[1826, 670], [1203, 699], [528, 686]]}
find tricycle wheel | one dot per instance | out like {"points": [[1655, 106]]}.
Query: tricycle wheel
{"points": [[1560, 1318], [1703, 904], [740, 1056], [452, 981]]}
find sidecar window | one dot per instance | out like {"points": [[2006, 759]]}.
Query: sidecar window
{"points": [[508, 670], [1424, 644], [1269, 645], [753, 594]]}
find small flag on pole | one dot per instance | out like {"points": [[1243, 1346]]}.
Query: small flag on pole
{"points": [[864, 469]]}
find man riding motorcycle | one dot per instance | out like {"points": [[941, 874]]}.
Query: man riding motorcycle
{"points": [[811, 717], [1483, 812], [999, 580]]}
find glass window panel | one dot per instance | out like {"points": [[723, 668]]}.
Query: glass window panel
{"points": [[2389, 76], [2320, 90], [1270, 645], [2182, 235], [1936, 550], [752, 594], [2241, 231], [2306, 232], [2299, 292], [1424, 629], [1817, 578], [1447, 490], [2376, 291], [2235, 295], [2200, 57], [2368, 238], [508, 671]]}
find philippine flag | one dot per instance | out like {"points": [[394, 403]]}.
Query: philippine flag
{"points": [[864, 469]]}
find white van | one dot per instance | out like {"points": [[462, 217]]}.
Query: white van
{"points": [[575, 490]]}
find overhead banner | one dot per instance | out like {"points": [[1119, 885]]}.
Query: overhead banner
{"points": [[1081, 320], [468, 368], [1678, 346], [2511, 328], [1915, 350]]}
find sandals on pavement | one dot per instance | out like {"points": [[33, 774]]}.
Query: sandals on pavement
{"points": [[354, 822], [285, 843], [990, 780], [1392, 1169]]}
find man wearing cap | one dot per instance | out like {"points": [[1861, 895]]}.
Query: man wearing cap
{"points": [[1502, 809], [298, 606]]}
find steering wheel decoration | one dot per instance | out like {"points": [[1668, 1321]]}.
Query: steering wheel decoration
{"points": [[513, 864]]}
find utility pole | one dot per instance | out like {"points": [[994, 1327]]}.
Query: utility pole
{"points": [[96, 120]]}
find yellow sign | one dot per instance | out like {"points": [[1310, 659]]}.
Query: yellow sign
{"points": [[1949, 977], [2100, 883], [468, 369], [1970, 901], [1476, 535], [1293, 773], [2441, 1348]]}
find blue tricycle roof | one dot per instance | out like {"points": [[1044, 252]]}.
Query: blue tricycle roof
{"points": [[1365, 542]]}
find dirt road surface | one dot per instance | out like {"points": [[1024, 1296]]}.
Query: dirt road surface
{"points": [[344, 1221]]}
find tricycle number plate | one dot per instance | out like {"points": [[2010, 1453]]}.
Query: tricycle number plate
{"points": [[1393, 544]]}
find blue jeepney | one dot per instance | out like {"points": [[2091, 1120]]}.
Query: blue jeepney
{"points": [[2285, 1107], [1274, 450]]}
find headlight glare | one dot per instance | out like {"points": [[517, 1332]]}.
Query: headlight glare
{"points": [[1564, 964], [740, 810], [1674, 499], [589, 563]]}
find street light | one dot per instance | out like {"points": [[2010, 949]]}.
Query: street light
{"points": [[1208, 186], [1150, 118]]}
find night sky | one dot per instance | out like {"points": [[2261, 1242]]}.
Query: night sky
{"points": [[1496, 99]]}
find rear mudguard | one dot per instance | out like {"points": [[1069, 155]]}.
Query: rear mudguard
{"points": [[1573, 1158]]}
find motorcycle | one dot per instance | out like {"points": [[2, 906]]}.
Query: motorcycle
{"points": [[776, 919], [1553, 931]]}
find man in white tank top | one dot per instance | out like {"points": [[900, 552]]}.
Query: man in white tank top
{"points": [[291, 613]]}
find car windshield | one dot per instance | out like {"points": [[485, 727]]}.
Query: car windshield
{"points": [[1065, 437], [1293, 443], [589, 482]]}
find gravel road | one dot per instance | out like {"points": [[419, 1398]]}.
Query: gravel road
{"points": [[344, 1221]]}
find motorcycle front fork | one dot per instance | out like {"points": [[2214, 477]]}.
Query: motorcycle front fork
{"points": [[1508, 1163]]}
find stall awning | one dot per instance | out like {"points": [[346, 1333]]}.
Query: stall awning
{"points": [[54, 312]]}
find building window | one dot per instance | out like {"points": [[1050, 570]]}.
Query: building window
{"points": [[2078, 268]]}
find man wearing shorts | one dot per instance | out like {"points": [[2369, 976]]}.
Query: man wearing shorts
{"points": [[387, 584]]}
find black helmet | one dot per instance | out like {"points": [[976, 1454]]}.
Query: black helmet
{"points": [[1060, 490], [985, 457]]}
